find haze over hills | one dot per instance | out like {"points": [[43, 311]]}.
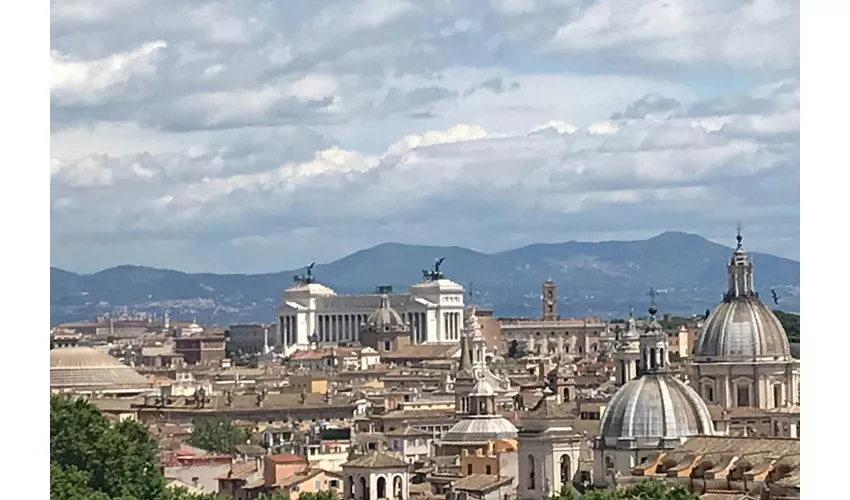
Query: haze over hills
{"points": [[601, 279]]}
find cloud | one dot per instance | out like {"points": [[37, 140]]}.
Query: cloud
{"points": [[762, 33], [648, 105], [463, 183], [495, 85], [191, 67], [240, 135]]}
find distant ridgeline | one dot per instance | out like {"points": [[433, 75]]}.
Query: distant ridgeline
{"points": [[601, 279]]}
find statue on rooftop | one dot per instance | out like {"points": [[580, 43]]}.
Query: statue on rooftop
{"points": [[307, 278], [434, 274]]}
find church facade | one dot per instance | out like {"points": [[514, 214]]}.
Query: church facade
{"points": [[742, 357]]}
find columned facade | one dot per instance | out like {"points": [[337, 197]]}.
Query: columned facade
{"points": [[311, 313]]}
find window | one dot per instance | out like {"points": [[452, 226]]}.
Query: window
{"points": [[609, 466], [566, 470], [488, 469], [317, 485], [531, 481], [388, 345], [333, 483], [743, 395], [708, 393], [777, 396], [468, 469]]}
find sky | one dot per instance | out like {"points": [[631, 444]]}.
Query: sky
{"points": [[252, 136]]}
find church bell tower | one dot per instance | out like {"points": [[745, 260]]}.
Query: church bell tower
{"points": [[549, 301]]}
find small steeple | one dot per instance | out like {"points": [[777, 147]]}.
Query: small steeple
{"points": [[631, 332], [654, 352], [740, 272], [477, 346]]}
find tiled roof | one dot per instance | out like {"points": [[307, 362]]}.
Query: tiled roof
{"points": [[286, 458], [298, 478], [272, 401], [240, 470], [548, 408], [417, 414], [480, 482], [376, 460], [407, 431], [422, 351]]}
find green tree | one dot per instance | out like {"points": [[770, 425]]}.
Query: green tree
{"points": [[93, 459], [179, 493], [791, 323], [319, 495], [566, 493], [217, 435], [275, 495], [649, 489]]}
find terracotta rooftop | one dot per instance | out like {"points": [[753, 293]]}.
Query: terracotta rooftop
{"points": [[300, 477], [248, 402], [417, 414], [286, 458], [422, 351], [480, 482], [240, 471], [317, 354]]}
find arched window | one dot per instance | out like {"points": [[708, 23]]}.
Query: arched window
{"points": [[350, 487], [566, 393], [609, 466], [397, 488], [566, 470], [777, 396], [776, 431], [532, 484], [382, 487], [364, 489]]}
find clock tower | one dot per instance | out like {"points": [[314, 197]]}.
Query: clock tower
{"points": [[550, 301]]}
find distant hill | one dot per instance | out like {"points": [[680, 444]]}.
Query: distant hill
{"points": [[601, 279]]}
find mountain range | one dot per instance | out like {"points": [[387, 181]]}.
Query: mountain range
{"points": [[602, 279]]}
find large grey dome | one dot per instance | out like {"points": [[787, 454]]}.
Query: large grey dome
{"points": [[85, 367], [475, 429], [653, 410], [742, 328]]}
